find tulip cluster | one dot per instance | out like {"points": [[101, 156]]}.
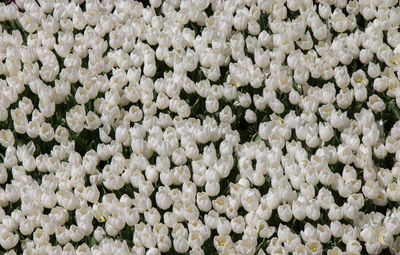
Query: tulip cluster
{"points": [[200, 126]]}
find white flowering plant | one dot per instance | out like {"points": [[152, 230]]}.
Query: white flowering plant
{"points": [[200, 127]]}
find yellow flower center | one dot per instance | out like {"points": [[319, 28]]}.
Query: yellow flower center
{"points": [[364, 159], [360, 80], [261, 228], [102, 219], [234, 84]]}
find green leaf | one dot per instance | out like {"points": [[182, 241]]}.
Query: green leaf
{"points": [[396, 112]]}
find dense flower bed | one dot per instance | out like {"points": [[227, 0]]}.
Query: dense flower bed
{"points": [[200, 127]]}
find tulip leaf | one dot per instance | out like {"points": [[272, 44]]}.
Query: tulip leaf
{"points": [[396, 112]]}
